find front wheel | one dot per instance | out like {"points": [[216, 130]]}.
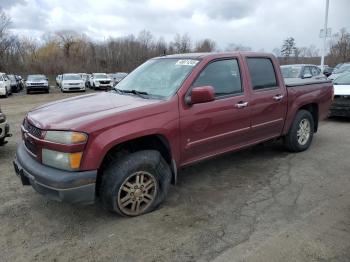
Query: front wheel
{"points": [[136, 183], [301, 132]]}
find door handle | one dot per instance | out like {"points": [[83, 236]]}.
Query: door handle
{"points": [[278, 97], [241, 104]]}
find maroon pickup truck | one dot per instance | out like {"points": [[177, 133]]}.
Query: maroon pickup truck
{"points": [[124, 147]]}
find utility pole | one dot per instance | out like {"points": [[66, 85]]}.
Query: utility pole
{"points": [[324, 35]]}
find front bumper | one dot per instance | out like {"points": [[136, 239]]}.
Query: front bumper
{"points": [[37, 88], [73, 88], [55, 184], [340, 107]]}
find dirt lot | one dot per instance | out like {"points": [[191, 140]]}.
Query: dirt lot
{"points": [[261, 204]]}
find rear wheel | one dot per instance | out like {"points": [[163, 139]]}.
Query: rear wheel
{"points": [[136, 183], [301, 132]]}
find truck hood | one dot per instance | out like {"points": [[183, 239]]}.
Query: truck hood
{"points": [[76, 112]]}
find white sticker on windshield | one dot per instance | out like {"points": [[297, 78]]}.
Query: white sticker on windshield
{"points": [[187, 62]]}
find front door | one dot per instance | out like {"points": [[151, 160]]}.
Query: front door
{"points": [[221, 125]]}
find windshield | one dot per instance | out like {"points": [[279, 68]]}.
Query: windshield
{"points": [[71, 77], [343, 79], [158, 77], [100, 76], [291, 71], [36, 78], [342, 69]]}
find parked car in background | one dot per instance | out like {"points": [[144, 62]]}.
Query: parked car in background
{"points": [[21, 81], [37, 83], [125, 147], [338, 65], [72, 82], [302, 71], [100, 81], [14, 83], [327, 71], [117, 77], [4, 128], [341, 102], [58, 80], [339, 71], [5, 85], [85, 78]]}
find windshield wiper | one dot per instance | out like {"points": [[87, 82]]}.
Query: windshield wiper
{"points": [[133, 91]]}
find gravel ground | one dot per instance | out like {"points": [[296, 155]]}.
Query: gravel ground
{"points": [[260, 204]]}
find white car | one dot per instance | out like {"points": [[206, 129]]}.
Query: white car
{"points": [[100, 81], [341, 102], [4, 128], [72, 82], [344, 68], [58, 80], [5, 85]]}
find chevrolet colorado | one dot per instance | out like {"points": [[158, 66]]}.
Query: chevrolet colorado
{"points": [[124, 147]]}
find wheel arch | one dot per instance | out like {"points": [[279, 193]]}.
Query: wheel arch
{"points": [[313, 109], [156, 142]]}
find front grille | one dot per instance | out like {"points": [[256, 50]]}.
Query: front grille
{"points": [[73, 84], [36, 84], [30, 146], [105, 82], [33, 130]]}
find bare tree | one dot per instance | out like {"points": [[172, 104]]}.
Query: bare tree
{"points": [[206, 45]]}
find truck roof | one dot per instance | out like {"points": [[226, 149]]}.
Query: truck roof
{"points": [[213, 55]]}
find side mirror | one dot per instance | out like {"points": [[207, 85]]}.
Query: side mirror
{"points": [[307, 75], [201, 94]]}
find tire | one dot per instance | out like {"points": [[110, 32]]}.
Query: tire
{"points": [[151, 169], [7, 94], [294, 142], [28, 92]]}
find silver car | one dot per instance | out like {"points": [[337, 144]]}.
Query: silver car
{"points": [[302, 71]]}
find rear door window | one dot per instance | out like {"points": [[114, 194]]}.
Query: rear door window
{"points": [[315, 71], [262, 73], [307, 71]]}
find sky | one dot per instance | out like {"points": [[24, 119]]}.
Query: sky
{"points": [[260, 24]]}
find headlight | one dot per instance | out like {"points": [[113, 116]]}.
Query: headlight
{"points": [[66, 137], [60, 160]]}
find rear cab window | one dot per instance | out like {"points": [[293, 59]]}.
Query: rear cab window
{"points": [[262, 73]]}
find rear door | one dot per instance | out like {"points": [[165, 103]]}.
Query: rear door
{"points": [[268, 100], [214, 127]]}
